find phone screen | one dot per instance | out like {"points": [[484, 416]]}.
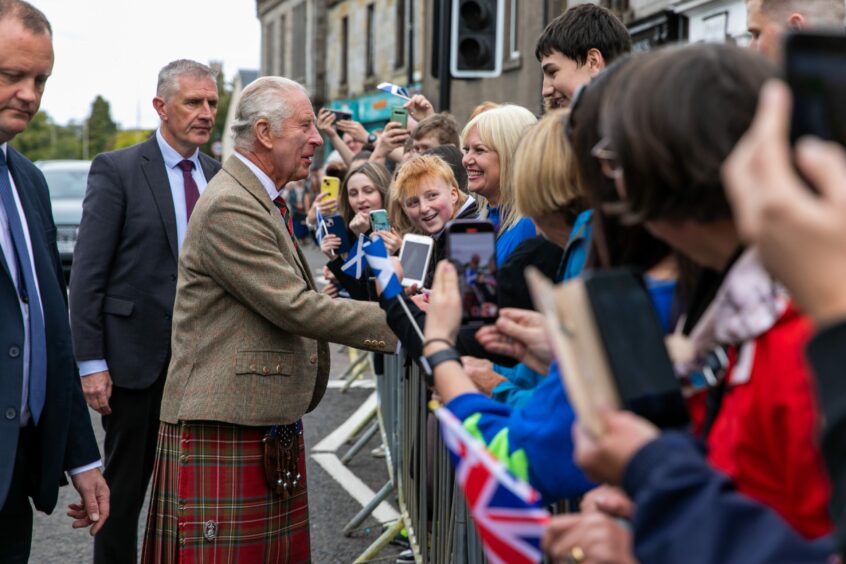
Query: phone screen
{"points": [[413, 259], [474, 256], [379, 220], [816, 71]]}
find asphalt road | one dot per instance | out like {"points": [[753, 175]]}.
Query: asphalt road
{"points": [[330, 505]]}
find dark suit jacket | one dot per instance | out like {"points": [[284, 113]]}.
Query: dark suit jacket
{"points": [[65, 437], [123, 278]]}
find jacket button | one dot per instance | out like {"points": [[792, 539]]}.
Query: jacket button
{"points": [[11, 413], [265, 370], [173, 277], [252, 368], [313, 358], [14, 351], [381, 343], [367, 342]]}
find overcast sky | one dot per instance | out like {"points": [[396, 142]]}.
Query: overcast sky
{"points": [[115, 48]]}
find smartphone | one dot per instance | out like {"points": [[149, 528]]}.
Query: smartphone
{"points": [[379, 220], [330, 185], [340, 114], [335, 226], [471, 246], [400, 115], [415, 255], [815, 67]]}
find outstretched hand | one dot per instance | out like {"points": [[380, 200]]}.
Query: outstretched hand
{"points": [[93, 508]]}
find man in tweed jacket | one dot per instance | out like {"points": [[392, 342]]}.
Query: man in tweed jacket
{"points": [[250, 351]]}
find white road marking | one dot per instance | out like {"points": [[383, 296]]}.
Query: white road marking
{"points": [[366, 384], [354, 486], [339, 436]]}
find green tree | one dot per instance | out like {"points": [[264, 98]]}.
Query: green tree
{"points": [[224, 91], [43, 139], [129, 137], [101, 128]]}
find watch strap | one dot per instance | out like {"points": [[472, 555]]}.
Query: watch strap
{"points": [[431, 361]]}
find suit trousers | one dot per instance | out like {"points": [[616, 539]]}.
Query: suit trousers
{"points": [[16, 513], [130, 450]]}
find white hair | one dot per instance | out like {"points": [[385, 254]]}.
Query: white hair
{"points": [[171, 72], [264, 98]]}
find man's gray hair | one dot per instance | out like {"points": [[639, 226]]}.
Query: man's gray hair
{"points": [[170, 73], [264, 98], [31, 17], [818, 13]]}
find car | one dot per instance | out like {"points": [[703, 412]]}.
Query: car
{"points": [[66, 181]]}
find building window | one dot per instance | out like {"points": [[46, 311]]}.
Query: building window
{"points": [[298, 39], [513, 48], [399, 40], [269, 47], [283, 45], [345, 47], [369, 49]]}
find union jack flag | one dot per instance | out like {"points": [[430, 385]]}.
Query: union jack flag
{"points": [[507, 511]]}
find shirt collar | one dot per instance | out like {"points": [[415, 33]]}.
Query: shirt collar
{"points": [[4, 148], [261, 175], [171, 156]]}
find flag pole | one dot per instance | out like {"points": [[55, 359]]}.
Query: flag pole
{"points": [[411, 319]]}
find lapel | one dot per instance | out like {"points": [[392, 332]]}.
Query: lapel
{"points": [[153, 168], [206, 164], [245, 177], [35, 224]]}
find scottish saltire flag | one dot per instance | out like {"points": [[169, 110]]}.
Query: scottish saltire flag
{"points": [[380, 263], [322, 228], [507, 511], [394, 89], [355, 259]]}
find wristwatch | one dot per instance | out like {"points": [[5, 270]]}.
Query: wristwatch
{"points": [[372, 138], [431, 361]]}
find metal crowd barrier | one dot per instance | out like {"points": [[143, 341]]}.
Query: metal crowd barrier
{"points": [[434, 513]]}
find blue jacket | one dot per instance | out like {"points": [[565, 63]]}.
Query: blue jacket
{"points": [[689, 512]]}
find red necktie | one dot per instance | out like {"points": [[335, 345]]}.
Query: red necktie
{"points": [[286, 215], [192, 193]]}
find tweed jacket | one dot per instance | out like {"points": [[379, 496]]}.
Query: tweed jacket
{"points": [[250, 330]]}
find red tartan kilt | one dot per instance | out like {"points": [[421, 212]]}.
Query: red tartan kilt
{"points": [[211, 504]]}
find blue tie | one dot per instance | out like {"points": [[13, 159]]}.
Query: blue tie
{"points": [[29, 294]]}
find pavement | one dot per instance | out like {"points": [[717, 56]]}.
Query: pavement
{"points": [[332, 496]]}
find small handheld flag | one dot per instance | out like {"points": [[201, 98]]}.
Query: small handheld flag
{"points": [[355, 260], [394, 89], [380, 263], [507, 512], [322, 228]]}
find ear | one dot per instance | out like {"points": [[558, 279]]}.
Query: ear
{"points": [[263, 134], [453, 195], [159, 105], [796, 21], [595, 60]]}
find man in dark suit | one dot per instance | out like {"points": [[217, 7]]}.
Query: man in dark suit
{"points": [[45, 428], [123, 284]]}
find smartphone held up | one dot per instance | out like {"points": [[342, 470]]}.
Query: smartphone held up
{"points": [[471, 246]]}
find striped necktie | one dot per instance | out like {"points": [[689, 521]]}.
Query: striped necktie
{"points": [[286, 216]]}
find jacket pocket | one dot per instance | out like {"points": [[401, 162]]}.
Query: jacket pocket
{"points": [[117, 306], [265, 363]]}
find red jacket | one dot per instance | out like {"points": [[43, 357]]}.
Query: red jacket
{"points": [[766, 433]]}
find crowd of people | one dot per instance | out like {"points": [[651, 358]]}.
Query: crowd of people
{"points": [[202, 343]]}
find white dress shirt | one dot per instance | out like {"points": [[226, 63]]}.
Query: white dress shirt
{"points": [[8, 248], [265, 180], [177, 191]]}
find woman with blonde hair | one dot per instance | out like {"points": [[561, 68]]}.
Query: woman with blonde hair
{"points": [[489, 142]]}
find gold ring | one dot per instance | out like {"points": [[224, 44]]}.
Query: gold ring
{"points": [[576, 555]]}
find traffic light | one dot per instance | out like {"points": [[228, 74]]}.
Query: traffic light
{"points": [[477, 30]]}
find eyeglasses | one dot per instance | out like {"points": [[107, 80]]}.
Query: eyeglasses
{"points": [[607, 159]]}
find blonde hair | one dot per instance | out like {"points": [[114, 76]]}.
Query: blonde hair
{"points": [[407, 183], [501, 129], [545, 174], [377, 174]]}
